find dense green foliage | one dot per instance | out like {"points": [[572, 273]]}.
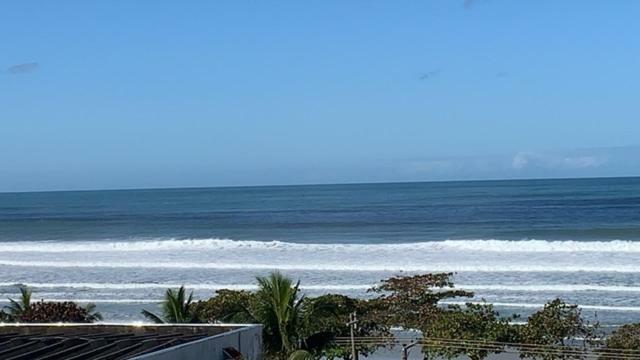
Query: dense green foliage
{"points": [[410, 301], [4, 317], [626, 339], [327, 318], [299, 327], [292, 322], [23, 310], [227, 306], [278, 306], [67, 311], [555, 327], [177, 308], [478, 325], [296, 327]]}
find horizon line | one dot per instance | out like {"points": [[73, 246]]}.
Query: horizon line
{"points": [[318, 184]]}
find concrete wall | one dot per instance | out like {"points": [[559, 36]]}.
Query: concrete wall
{"points": [[247, 340]]}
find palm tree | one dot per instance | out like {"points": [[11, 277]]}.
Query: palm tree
{"points": [[176, 308], [17, 308], [278, 309], [288, 317], [92, 314]]}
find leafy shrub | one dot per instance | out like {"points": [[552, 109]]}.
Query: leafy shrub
{"points": [[626, 340], [293, 322], [231, 306], [464, 328], [46, 312], [4, 317], [411, 301], [556, 327]]}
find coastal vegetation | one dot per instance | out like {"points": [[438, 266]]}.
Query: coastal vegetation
{"points": [[17, 308], [26, 311], [551, 332], [626, 339], [294, 324], [298, 327], [177, 308]]}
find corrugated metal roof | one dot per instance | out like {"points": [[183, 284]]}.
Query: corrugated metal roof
{"points": [[94, 342]]}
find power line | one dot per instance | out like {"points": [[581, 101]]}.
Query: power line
{"points": [[496, 346]]}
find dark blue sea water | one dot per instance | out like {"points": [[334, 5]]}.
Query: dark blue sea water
{"points": [[515, 243]]}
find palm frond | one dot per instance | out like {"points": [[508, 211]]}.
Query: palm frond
{"points": [[92, 313], [17, 308], [300, 355], [176, 307], [153, 317], [278, 298]]}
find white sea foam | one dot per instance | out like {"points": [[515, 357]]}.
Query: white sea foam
{"points": [[137, 286], [497, 304], [539, 306], [392, 267], [562, 288], [99, 301], [435, 256], [500, 246]]}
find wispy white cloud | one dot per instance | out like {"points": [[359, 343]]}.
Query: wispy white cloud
{"points": [[623, 161], [557, 161], [581, 162], [520, 161]]}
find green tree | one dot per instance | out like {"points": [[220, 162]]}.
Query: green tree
{"points": [[470, 330], [555, 329], [277, 307], [66, 311], [410, 301], [4, 317], [18, 308], [293, 325], [177, 308], [625, 340], [92, 313], [23, 310], [325, 319], [228, 306]]}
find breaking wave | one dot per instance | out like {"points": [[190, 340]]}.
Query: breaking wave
{"points": [[562, 288], [496, 304], [448, 267], [137, 286], [538, 306], [507, 246]]}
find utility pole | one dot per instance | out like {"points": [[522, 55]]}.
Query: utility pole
{"points": [[353, 325], [405, 350]]}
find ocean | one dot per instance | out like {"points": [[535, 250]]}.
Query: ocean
{"points": [[516, 243]]}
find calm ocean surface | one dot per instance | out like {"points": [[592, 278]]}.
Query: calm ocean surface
{"points": [[515, 243]]}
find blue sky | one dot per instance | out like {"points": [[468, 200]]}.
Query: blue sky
{"points": [[121, 94]]}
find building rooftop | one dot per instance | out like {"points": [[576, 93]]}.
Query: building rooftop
{"points": [[128, 341]]}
